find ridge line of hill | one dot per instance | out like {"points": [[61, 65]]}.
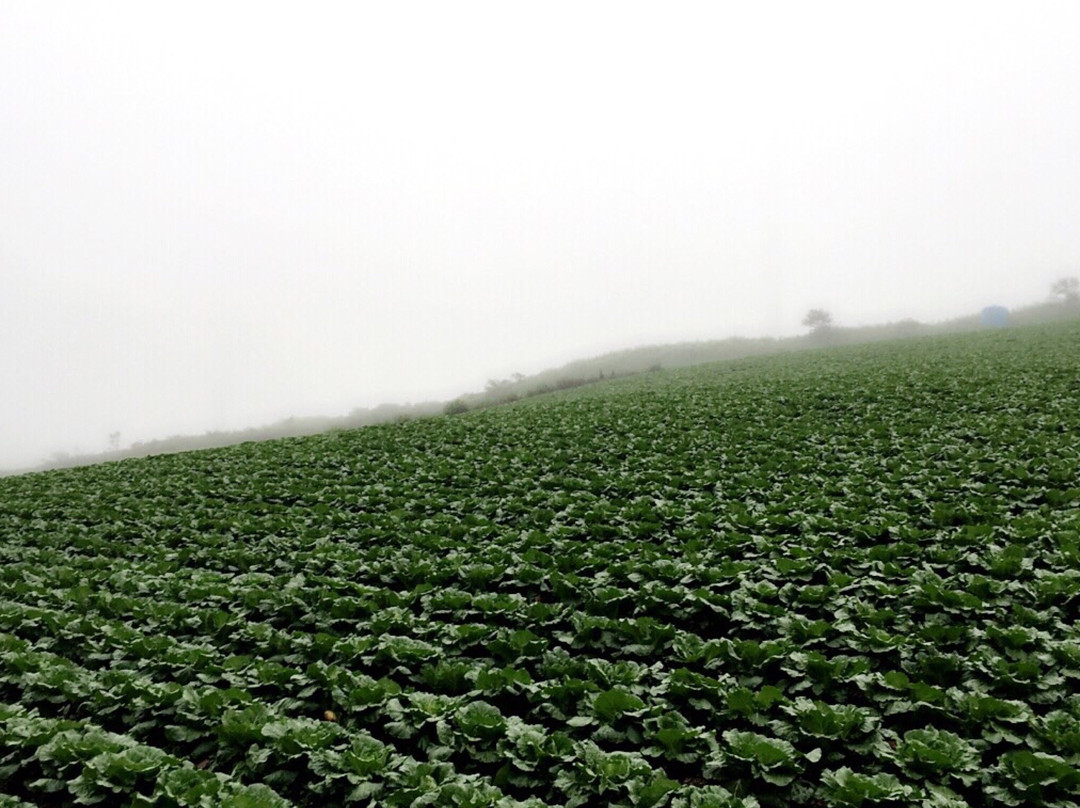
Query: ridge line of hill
{"points": [[579, 372]]}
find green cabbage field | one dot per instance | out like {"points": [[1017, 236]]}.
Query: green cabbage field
{"points": [[847, 577]]}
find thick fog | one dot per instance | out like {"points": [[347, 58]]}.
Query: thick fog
{"points": [[216, 215]]}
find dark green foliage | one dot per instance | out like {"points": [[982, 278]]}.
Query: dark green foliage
{"points": [[848, 578], [456, 407]]}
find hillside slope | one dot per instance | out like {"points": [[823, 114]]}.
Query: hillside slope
{"points": [[628, 362], [828, 578]]}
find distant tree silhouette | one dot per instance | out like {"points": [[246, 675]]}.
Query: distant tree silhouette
{"points": [[1065, 290], [818, 321]]}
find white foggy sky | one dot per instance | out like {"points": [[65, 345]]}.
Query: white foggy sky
{"points": [[215, 215]]}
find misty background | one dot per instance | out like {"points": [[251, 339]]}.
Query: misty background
{"points": [[218, 215]]}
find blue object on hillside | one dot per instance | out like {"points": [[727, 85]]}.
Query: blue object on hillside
{"points": [[995, 317]]}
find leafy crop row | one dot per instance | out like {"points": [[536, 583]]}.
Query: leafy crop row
{"points": [[849, 578]]}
